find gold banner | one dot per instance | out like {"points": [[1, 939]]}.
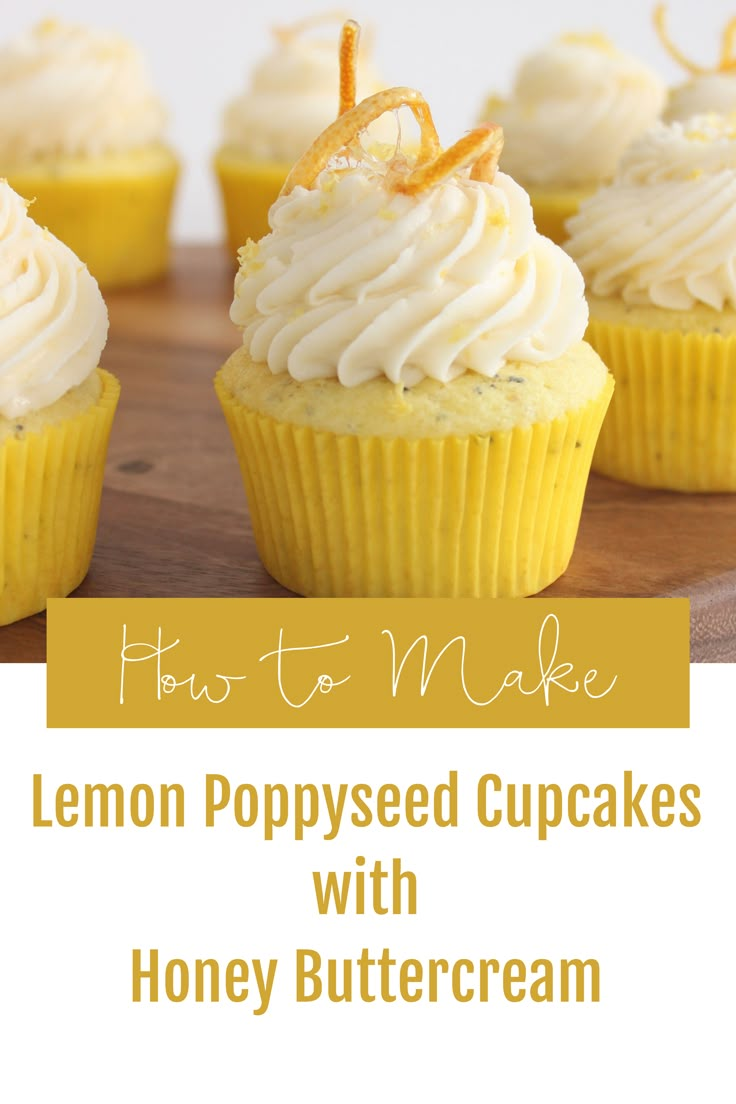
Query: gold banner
{"points": [[360, 663]]}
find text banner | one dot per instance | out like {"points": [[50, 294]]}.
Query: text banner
{"points": [[345, 663]]}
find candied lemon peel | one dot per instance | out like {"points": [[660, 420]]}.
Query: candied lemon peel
{"points": [[479, 150], [726, 61]]}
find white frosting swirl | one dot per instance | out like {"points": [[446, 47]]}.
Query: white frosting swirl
{"points": [[574, 109], [704, 95], [53, 320], [356, 281], [292, 98], [72, 91], [665, 231]]}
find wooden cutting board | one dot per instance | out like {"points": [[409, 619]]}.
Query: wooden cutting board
{"points": [[174, 519]]}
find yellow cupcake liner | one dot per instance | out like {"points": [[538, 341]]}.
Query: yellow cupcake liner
{"points": [[672, 423], [117, 224], [491, 516], [552, 209], [248, 189], [50, 488]]}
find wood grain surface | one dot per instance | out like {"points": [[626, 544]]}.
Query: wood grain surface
{"points": [[174, 520]]}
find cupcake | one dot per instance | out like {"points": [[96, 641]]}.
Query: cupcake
{"points": [[575, 107], [289, 101], [56, 410], [81, 133], [658, 251], [413, 407], [708, 91]]}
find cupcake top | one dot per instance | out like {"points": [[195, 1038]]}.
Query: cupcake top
{"points": [[411, 268], [711, 92], [68, 91], [291, 97], [53, 320], [664, 233], [575, 107], [709, 89]]}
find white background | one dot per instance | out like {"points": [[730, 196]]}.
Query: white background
{"points": [[455, 52], [654, 906]]}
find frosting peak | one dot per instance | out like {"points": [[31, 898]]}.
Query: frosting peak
{"points": [[53, 320], [575, 107], [665, 231], [712, 92], [357, 280], [67, 90]]}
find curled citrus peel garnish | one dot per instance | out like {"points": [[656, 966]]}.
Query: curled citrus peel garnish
{"points": [[349, 44], [481, 148], [726, 61], [343, 133]]}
